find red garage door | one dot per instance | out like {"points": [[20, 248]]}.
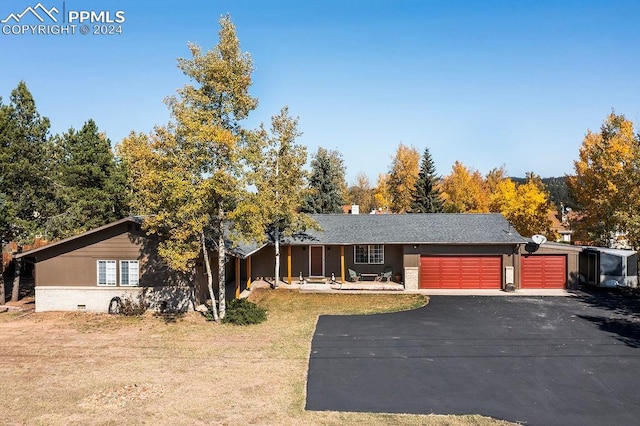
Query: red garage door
{"points": [[461, 272], [544, 271]]}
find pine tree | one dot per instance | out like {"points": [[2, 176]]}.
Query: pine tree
{"points": [[327, 183], [91, 182], [25, 165], [426, 195]]}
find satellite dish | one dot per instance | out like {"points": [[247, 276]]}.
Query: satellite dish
{"points": [[539, 239], [531, 247]]}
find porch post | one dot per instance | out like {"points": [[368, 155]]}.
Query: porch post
{"points": [[237, 278], [249, 273], [289, 265], [342, 263]]}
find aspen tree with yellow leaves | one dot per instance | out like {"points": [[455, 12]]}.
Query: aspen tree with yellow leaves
{"points": [[280, 180], [525, 206], [403, 176], [188, 175], [464, 191], [362, 194], [605, 183], [381, 194]]}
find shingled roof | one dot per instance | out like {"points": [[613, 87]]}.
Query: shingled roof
{"points": [[346, 229], [432, 228]]}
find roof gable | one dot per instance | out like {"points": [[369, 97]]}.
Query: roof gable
{"points": [[136, 220]]}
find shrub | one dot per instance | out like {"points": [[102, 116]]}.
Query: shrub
{"points": [[243, 312], [127, 306], [208, 314]]}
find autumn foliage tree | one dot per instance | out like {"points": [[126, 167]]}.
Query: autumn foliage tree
{"points": [[464, 191], [187, 176], [403, 176], [280, 180], [381, 194], [605, 183], [362, 194], [526, 206]]}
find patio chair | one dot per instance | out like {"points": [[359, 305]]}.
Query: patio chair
{"points": [[354, 276], [386, 274]]}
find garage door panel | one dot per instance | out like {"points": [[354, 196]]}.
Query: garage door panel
{"points": [[461, 272], [544, 271]]}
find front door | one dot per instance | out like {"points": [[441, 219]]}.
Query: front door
{"points": [[316, 261]]}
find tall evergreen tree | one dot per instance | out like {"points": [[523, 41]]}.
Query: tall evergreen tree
{"points": [[25, 165], [92, 184], [327, 183], [426, 197]]}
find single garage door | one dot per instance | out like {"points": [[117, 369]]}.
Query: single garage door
{"points": [[543, 271], [461, 272]]}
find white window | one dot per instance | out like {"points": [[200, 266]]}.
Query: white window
{"points": [[129, 275], [107, 272], [371, 253]]}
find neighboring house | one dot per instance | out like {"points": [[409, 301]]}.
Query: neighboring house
{"points": [[560, 227], [420, 251]]}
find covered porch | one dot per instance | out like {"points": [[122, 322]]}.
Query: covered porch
{"points": [[338, 265]]}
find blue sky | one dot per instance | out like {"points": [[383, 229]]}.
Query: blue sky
{"points": [[488, 83]]}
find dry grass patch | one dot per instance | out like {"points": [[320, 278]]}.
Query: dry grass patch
{"points": [[85, 369]]}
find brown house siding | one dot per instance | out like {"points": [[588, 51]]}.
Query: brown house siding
{"points": [[74, 264], [262, 262]]}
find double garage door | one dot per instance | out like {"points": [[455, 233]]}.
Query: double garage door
{"points": [[485, 272], [461, 272]]}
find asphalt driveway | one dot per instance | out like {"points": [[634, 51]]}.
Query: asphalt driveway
{"points": [[535, 360]]}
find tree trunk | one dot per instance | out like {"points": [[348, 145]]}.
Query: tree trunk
{"points": [[276, 244], [15, 292], [276, 234], [205, 255], [222, 254], [2, 294]]}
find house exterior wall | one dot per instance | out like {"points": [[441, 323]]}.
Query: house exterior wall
{"points": [[97, 299], [262, 262], [199, 277], [66, 274]]}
